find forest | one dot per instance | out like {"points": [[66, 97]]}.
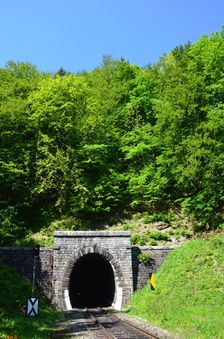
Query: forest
{"points": [[82, 148]]}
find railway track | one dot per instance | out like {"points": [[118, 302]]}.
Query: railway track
{"points": [[111, 326]]}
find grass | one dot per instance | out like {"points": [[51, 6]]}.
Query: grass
{"points": [[14, 323], [189, 298]]}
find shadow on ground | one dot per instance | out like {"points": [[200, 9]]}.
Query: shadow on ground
{"points": [[74, 323]]}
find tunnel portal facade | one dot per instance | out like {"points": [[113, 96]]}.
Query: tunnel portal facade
{"points": [[92, 268]]}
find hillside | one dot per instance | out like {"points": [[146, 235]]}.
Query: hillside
{"points": [[78, 149], [189, 295], [14, 292]]}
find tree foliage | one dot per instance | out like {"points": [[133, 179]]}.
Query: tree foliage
{"points": [[121, 136]]}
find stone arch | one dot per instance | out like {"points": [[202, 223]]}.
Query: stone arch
{"points": [[122, 293]]}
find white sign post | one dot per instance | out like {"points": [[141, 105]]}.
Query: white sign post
{"points": [[32, 307]]}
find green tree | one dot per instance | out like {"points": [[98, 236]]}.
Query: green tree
{"points": [[17, 139], [58, 108]]}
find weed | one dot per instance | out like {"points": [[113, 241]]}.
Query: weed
{"points": [[148, 219], [165, 217], [177, 236], [144, 258], [158, 235], [198, 227], [136, 216], [181, 233], [138, 239], [221, 226], [126, 226], [152, 242], [218, 242]]}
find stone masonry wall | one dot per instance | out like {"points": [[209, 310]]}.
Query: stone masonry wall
{"points": [[142, 272], [114, 246], [55, 265], [22, 259]]}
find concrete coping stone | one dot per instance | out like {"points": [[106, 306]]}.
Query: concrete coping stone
{"points": [[16, 248], [43, 249], [85, 234], [156, 247]]}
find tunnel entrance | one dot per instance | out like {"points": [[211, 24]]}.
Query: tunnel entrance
{"points": [[92, 282]]}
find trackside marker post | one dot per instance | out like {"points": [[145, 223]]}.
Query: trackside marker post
{"points": [[36, 252], [32, 308], [152, 282]]}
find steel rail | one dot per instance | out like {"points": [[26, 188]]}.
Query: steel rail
{"points": [[108, 334], [118, 321], [136, 327]]}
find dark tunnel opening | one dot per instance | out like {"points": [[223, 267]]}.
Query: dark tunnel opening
{"points": [[92, 282]]}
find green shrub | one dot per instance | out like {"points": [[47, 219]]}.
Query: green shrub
{"points": [[162, 216], [177, 236], [66, 223], [127, 227], [144, 258], [218, 242], [198, 227], [152, 242], [158, 235], [136, 216], [185, 233], [138, 239], [148, 219], [11, 227], [221, 226]]}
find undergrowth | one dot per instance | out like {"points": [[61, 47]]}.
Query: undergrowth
{"points": [[14, 323], [189, 298]]}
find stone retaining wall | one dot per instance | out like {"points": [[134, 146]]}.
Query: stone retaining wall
{"points": [[22, 259], [54, 266], [142, 272]]}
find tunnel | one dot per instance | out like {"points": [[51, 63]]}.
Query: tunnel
{"points": [[92, 282]]}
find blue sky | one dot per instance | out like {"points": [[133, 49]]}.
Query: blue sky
{"points": [[75, 34]]}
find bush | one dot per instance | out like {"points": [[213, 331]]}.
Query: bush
{"points": [[217, 242], [127, 227], [11, 228], [198, 227], [158, 235], [148, 219], [144, 258], [161, 216], [138, 239], [181, 233], [152, 242], [221, 226], [68, 223], [136, 216]]}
